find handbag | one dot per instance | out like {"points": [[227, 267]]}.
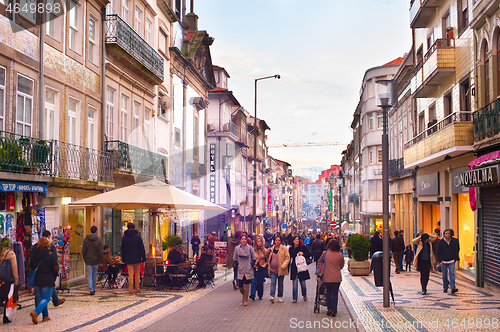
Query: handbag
{"points": [[437, 268], [31, 276], [6, 274], [321, 265], [300, 261], [309, 260]]}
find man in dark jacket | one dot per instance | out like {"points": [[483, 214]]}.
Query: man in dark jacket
{"points": [[93, 255], [133, 253], [317, 247], [447, 254], [195, 244], [376, 244], [397, 246]]}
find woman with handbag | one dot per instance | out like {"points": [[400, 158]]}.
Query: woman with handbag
{"points": [[260, 266], [45, 263], [245, 257], [8, 273], [297, 249], [332, 277], [278, 261]]}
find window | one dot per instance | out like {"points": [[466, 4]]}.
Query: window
{"points": [[486, 76], [123, 118], [380, 120], [75, 30], [72, 121], [177, 138], [163, 42], [370, 121], [196, 136], [463, 15], [135, 125], [51, 112], [371, 157], [498, 62], [109, 114], [93, 48], [25, 6], [138, 21], [110, 7], [91, 131], [429, 42], [379, 153], [465, 100], [50, 20], [24, 105], [149, 26], [2, 98], [147, 117], [125, 4]]}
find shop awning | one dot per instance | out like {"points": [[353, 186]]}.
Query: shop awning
{"points": [[23, 186]]}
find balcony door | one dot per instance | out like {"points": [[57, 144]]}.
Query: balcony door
{"points": [[72, 152]]}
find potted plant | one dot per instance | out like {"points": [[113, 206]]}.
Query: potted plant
{"points": [[449, 32], [359, 246], [11, 156], [169, 241]]}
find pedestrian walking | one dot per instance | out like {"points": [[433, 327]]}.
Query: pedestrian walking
{"points": [[7, 254], [437, 231], [47, 269], [245, 257], [397, 246], [262, 254], [424, 258], [376, 244], [297, 249], [401, 235], [195, 245], [212, 239], [268, 237], [55, 298], [93, 255], [332, 277], [235, 241], [317, 247], [279, 259], [447, 254], [133, 253], [408, 253]]}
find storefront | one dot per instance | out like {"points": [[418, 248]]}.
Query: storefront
{"points": [[429, 208]]}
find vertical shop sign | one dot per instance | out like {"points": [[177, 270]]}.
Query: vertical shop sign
{"points": [[212, 173], [269, 200]]}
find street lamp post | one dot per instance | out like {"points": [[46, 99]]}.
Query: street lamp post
{"points": [[385, 102], [254, 216]]}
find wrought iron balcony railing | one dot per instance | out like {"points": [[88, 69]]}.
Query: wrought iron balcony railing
{"points": [[23, 154], [397, 167], [486, 120], [131, 158], [455, 117], [78, 162], [119, 32]]}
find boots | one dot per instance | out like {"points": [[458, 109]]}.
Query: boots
{"points": [[241, 290], [246, 290]]}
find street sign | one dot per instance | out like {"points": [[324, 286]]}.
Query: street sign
{"points": [[333, 224], [283, 226]]}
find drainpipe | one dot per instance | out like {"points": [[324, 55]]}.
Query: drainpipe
{"points": [[103, 79], [41, 88]]}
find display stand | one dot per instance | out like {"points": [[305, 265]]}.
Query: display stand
{"points": [[61, 239]]}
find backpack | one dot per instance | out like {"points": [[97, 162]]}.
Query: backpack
{"points": [[6, 274]]}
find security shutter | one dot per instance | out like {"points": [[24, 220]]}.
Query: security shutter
{"points": [[491, 235]]}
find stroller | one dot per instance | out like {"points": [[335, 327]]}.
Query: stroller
{"points": [[320, 299]]}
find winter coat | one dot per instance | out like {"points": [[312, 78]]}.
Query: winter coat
{"points": [[283, 260], [432, 238], [397, 244], [92, 250], [107, 262], [448, 252], [334, 262], [203, 268], [408, 255], [230, 251], [133, 251], [244, 257], [48, 269], [293, 266], [376, 244], [318, 246], [195, 242], [10, 255]]}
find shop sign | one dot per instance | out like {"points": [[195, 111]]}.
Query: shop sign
{"points": [[457, 186], [212, 173], [479, 177], [428, 184], [23, 186], [269, 200]]}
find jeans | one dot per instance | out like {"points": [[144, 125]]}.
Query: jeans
{"points": [[445, 269], [92, 276], [258, 282], [332, 295], [295, 287], [401, 260], [44, 294], [274, 278], [38, 297]]}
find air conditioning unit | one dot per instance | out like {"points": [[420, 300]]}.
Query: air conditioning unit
{"points": [[225, 127], [210, 127]]}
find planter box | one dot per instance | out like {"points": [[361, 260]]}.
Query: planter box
{"points": [[358, 268]]}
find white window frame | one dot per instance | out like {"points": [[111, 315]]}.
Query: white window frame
{"points": [[54, 108], [73, 27], [73, 115], [380, 120], [125, 4], [110, 109], [147, 117], [109, 8], [163, 47], [136, 124], [93, 55], [123, 117], [25, 97], [25, 10], [2, 99], [149, 29], [92, 123], [138, 13], [371, 124]]}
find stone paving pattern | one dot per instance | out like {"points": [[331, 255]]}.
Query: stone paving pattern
{"points": [[470, 309], [108, 310]]}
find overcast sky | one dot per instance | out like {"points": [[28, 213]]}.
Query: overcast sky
{"points": [[321, 49]]}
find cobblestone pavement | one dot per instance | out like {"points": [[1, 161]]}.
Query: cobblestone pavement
{"points": [[107, 310], [222, 310], [470, 309]]}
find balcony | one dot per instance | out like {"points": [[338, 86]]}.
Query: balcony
{"points": [[135, 160], [397, 167], [437, 65], [230, 127], [23, 154], [449, 137], [421, 12], [486, 122], [128, 46]]}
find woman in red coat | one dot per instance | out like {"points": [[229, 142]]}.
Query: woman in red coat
{"points": [[332, 277]]}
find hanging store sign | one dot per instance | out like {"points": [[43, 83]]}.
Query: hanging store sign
{"points": [[23, 186], [457, 186], [428, 184], [479, 177], [269, 200], [212, 173]]}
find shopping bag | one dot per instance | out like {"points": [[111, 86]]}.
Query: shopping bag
{"points": [[11, 307], [301, 263], [6, 274], [320, 265]]}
